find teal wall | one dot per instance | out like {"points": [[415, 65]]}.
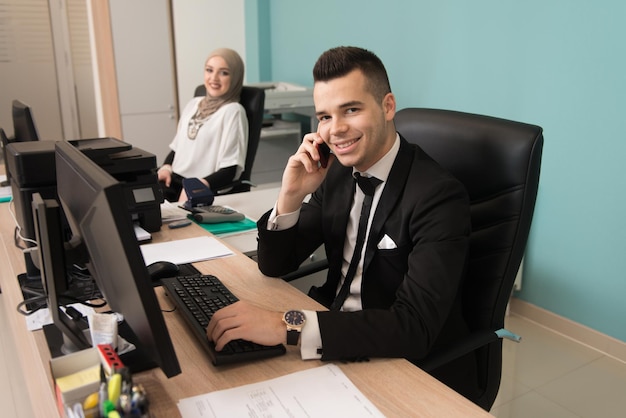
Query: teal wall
{"points": [[560, 64]]}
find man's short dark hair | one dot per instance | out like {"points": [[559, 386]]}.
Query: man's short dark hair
{"points": [[338, 62]]}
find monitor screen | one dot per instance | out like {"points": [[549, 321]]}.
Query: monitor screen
{"points": [[93, 203], [23, 123]]}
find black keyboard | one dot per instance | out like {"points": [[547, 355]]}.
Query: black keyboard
{"points": [[197, 297]]}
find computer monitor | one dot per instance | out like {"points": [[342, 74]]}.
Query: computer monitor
{"points": [[4, 140], [51, 261], [23, 123], [94, 206]]}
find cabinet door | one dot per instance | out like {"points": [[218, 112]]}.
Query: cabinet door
{"points": [[155, 139], [144, 66]]}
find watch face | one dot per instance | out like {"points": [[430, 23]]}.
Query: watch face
{"points": [[295, 318]]}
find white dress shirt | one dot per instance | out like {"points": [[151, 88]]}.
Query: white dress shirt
{"points": [[311, 340]]}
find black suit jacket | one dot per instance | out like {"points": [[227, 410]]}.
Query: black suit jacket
{"points": [[410, 294]]}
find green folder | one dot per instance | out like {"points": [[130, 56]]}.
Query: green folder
{"points": [[229, 227]]}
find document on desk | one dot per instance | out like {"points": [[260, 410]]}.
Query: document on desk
{"points": [[172, 212], [184, 251], [5, 191], [320, 392]]}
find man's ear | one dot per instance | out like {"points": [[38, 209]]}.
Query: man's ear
{"points": [[389, 106]]}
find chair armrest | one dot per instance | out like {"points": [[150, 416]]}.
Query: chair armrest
{"points": [[237, 186], [466, 345], [305, 270]]}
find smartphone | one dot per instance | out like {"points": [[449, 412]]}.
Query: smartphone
{"points": [[324, 151]]}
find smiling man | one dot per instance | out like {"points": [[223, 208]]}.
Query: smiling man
{"points": [[394, 224]]}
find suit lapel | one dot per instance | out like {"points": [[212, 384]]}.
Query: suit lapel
{"points": [[391, 194]]}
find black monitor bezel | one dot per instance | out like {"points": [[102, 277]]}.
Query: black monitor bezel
{"points": [[24, 128], [86, 192], [52, 265]]}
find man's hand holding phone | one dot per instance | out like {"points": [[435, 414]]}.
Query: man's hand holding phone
{"points": [[324, 151], [304, 172]]}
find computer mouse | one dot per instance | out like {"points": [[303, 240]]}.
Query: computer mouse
{"points": [[160, 269]]}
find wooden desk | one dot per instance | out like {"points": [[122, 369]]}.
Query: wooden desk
{"points": [[395, 386]]}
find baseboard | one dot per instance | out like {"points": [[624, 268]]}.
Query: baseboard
{"points": [[608, 345]]}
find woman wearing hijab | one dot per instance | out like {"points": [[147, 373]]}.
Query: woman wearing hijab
{"points": [[212, 135]]}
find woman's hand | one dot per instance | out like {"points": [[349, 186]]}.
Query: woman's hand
{"points": [[164, 174]]}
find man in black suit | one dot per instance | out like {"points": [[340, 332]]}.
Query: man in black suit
{"points": [[403, 295]]}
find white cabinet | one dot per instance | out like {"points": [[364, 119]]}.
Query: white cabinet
{"points": [[144, 69]]}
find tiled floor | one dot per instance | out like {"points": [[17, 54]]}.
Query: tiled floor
{"points": [[546, 375], [271, 158]]}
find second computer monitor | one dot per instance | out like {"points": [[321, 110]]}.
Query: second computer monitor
{"points": [[23, 123]]}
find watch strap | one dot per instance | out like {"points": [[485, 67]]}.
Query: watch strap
{"points": [[293, 336]]}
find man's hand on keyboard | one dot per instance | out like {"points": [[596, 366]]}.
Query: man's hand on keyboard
{"points": [[242, 320]]}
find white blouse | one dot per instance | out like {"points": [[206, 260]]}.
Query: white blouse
{"points": [[221, 142]]}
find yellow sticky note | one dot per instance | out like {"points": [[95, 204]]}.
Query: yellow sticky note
{"points": [[79, 379]]}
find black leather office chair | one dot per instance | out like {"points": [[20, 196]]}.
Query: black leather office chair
{"points": [[253, 100], [498, 161]]}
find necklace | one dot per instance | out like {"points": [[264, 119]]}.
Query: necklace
{"points": [[194, 125]]}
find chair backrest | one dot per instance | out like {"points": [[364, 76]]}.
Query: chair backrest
{"points": [[499, 162], [253, 101]]}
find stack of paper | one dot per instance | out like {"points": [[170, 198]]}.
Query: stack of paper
{"points": [[182, 251], [320, 392]]}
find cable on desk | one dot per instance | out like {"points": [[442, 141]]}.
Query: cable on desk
{"points": [[40, 299], [17, 234], [25, 302]]}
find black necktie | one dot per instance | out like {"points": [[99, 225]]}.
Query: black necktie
{"points": [[368, 186]]}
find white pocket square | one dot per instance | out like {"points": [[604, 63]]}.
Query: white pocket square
{"points": [[386, 243]]}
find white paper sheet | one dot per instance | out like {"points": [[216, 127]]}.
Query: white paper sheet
{"points": [[183, 251], [320, 392], [5, 191]]}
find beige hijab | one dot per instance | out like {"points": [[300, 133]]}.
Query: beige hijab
{"points": [[209, 105]]}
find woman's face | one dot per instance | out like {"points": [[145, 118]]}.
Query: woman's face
{"points": [[216, 76]]}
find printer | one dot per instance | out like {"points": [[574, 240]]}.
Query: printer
{"points": [[280, 95], [32, 170]]}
